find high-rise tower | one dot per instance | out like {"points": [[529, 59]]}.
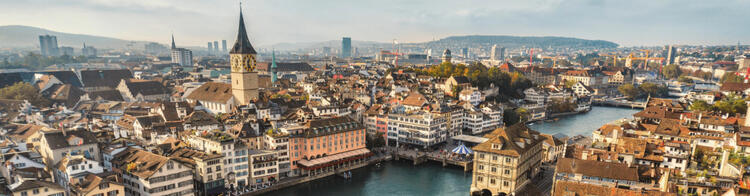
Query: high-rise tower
{"points": [[242, 59]]}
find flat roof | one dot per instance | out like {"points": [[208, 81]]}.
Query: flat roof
{"points": [[470, 139]]}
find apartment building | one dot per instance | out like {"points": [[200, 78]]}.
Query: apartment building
{"points": [[145, 173], [417, 128], [508, 160], [234, 151]]}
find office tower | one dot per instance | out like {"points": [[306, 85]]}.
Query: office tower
{"points": [[48, 45], [224, 45], [66, 51], [501, 56], [670, 54], [181, 56], [210, 48], [493, 52], [88, 51], [465, 52], [216, 47], [346, 47]]}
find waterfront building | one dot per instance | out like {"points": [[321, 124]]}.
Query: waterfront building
{"points": [[593, 79], [322, 145], [417, 128], [207, 167], [234, 151], [346, 47], [508, 161], [48, 45], [264, 167], [181, 56], [146, 173], [276, 141]]}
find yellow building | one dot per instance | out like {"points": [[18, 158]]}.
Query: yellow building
{"points": [[507, 161]]}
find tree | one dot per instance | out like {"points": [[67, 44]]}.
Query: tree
{"points": [[629, 91], [700, 105], [653, 89], [24, 91], [374, 141], [685, 79], [671, 71], [731, 77]]}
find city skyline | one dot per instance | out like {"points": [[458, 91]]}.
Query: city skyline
{"points": [[195, 22]]}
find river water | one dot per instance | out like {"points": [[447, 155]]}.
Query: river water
{"points": [[402, 178]]}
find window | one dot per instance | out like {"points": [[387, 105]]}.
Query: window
{"points": [[494, 158], [493, 169], [36, 191], [492, 181], [507, 160], [25, 193], [479, 178], [505, 183], [507, 171]]}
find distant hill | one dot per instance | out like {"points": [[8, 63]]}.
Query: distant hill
{"points": [[463, 41], [520, 41], [18, 36]]}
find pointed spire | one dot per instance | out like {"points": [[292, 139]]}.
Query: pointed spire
{"points": [[173, 46], [242, 45], [274, 77]]}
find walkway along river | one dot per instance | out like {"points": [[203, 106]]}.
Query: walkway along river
{"points": [[403, 178]]}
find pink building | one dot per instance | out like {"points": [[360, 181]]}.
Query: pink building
{"points": [[325, 145]]}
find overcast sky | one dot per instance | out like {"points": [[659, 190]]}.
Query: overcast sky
{"points": [[195, 22]]}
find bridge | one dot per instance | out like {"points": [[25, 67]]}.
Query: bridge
{"points": [[619, 102]]}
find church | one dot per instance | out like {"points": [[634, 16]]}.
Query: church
{"points": [[218, 97]]}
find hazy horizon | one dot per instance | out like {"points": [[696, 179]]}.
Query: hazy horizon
{"points": [[195, 22]]}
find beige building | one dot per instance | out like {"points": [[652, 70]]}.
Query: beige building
{"points": [[146, 173], [56, 145], [36, 188], [508, 160], [207, 168]]}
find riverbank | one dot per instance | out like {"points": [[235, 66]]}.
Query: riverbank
{"points": [[583, 123]]}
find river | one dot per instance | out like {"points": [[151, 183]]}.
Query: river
{"points": [[402, 178]]}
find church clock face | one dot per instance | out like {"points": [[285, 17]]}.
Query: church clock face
{"points": [[250, 63]]}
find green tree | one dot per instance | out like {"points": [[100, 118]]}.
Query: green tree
{"points": [[24, 91], [629, 91], [685, 80], [671, 71], [700, 105], [653, 90]]}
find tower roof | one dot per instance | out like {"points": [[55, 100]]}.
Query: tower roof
{"points": [[242, 45], [273, 59], [173, 46]]}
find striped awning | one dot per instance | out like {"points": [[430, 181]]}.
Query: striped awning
{"points": [[462, 149]]}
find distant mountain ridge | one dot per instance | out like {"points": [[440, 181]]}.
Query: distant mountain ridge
{"points": [[19, 36], [527, 41]]}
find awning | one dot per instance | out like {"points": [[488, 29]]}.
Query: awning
{"points": [[462, 150], [334, 159]]}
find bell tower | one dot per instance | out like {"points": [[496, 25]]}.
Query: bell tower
{"points": [[242, 59]]}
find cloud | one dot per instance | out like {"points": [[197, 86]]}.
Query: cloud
{"points": [[195, 22]]}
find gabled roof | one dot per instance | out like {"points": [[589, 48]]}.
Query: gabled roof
{"points": [[139, 162], [145, 87], [108, 78], [212, 92], [57, 140], [599, 169], [32, 184], [734, 86], [512, 141]]}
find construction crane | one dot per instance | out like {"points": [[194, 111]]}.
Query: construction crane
{"points": [[614, 58], [554, 59]]}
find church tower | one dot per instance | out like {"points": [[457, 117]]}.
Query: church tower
{"points": [[274, 77], [242, 59]]}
